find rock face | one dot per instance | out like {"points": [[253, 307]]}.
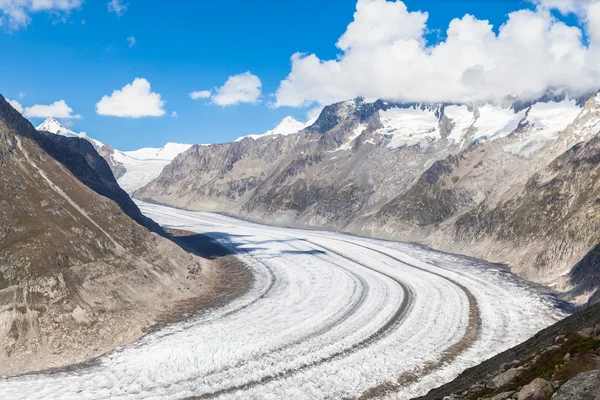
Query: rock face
{"points": [[585, 386], [86, 164], [513, 183], [75, 268]]}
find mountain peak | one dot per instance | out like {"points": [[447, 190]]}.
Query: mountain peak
{"points": [[51, 125], [287, 126]]}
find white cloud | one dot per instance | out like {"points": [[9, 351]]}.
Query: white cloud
{"points": [[174, 114], [117, 6], [134, 100], [16, 105], [16, 14], [58, 109], [202, 94], [131, 41], [242, 88], [384, 55], [314, 113]]}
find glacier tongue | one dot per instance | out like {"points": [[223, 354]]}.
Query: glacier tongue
{"points": [[328, 316]]}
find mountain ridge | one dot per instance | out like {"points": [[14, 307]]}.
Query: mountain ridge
{"points": [[75, 269], [372, 168]]}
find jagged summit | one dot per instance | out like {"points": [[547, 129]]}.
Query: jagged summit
{"points": [[289, 125]]}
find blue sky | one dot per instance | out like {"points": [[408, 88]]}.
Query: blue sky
{"points": [[180, 47]]}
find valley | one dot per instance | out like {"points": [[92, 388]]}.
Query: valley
{"points": [[300, 200], [328, 316]]}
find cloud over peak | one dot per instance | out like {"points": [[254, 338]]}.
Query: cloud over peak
{"points": [[134, 100], [58, 109], [385, 55]]}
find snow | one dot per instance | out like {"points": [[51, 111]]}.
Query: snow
{"points": [[545, 121], [328, 316], [166, 153], [53, 126], [410, 126], [463, 119], [287, 126], [495, 122], [347, 145], [144, 165]]}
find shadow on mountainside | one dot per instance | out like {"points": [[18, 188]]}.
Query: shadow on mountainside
{"points": [[81, 158], [585, 277]]}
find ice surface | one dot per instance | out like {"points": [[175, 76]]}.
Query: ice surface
{"points": [[410, 126], [144, 165], [463, 119], [166, 153], [545, 121], [495, 122], [328, 316]]}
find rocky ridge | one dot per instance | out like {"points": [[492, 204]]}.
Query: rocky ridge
{"points": [[75, 268]]}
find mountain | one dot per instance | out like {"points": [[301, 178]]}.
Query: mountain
{"points": [[132, 169], [75, 268], [287, 126], [79, 156], [466, 178]]}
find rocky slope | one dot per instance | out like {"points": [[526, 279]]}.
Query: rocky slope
{"points": [[470, 178], [86, 164], [75, 269], [561, 362]]}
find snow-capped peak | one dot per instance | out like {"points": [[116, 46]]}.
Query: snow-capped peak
{"points": [[53, 126], [287, 126]]}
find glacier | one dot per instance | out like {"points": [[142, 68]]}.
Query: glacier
{"points": [[328, 316]]}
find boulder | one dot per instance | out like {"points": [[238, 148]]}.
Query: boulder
{"points": [[585, 386], [505, 378], [539, 389], [503, 396]]}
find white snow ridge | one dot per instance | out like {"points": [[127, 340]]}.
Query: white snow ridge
{"points": [[287, 126], [328, 317]]}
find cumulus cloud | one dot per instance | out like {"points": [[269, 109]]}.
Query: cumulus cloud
{"points": [[201, 94], [384, 55], [131, 41], [242, 88], [117, 6], [16, 14], [58, 109], [134, 100], [16, 105]]}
